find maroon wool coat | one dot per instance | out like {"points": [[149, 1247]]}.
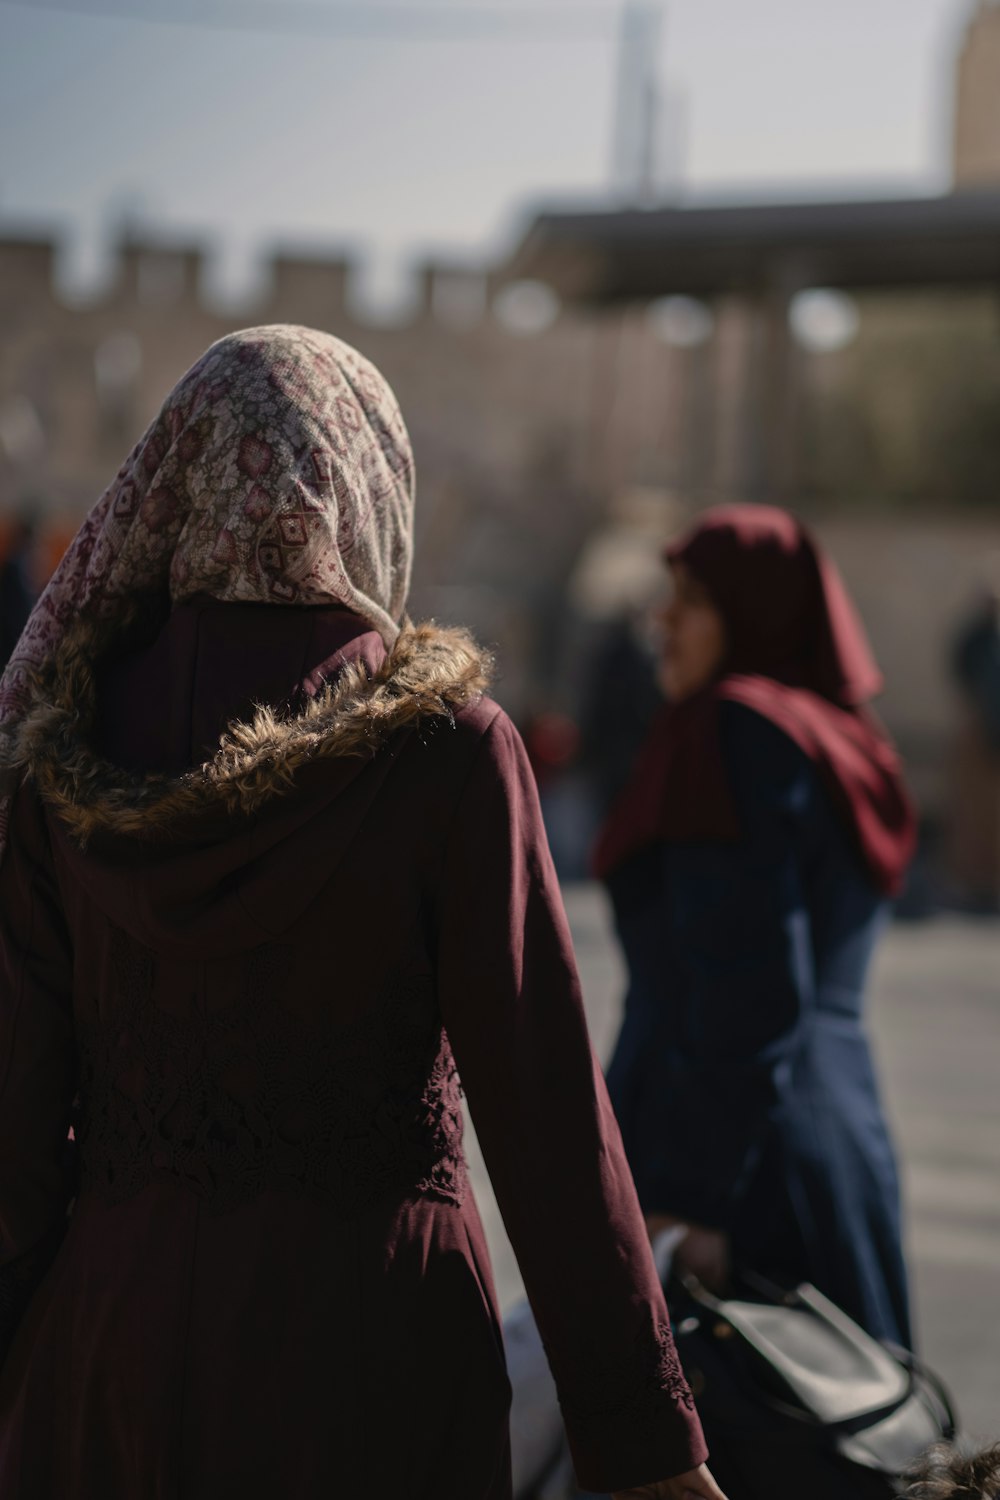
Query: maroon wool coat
{"points": [[275, 1281]]}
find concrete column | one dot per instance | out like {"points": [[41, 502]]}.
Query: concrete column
{"points": [[779, 405], [976, 130], [757, 376], [732, 361]]}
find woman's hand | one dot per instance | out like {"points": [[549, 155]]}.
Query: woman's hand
{"points": [[703, 1252], [697, 1484]]}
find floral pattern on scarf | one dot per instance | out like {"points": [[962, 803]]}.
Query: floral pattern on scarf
{"points": [[277, 471]]}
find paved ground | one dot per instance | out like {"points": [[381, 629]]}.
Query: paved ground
{"points": [[935, 1010]]}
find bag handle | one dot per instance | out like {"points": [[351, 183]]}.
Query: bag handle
{"points": [[782, 1296], [699, 1293]]}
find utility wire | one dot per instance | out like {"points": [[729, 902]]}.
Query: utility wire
{"points": [[350, 22]]}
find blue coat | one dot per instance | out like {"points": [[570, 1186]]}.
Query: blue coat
{"points": [[742, 1077]]}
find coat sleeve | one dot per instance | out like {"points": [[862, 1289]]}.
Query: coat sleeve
{"points": [[510, 1000], [37, 1059], [712, 1028]]}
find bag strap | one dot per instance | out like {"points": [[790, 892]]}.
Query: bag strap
{"points": [[947, 1416]]}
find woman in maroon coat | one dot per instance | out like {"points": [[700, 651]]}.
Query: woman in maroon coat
{"points": [[273, 876]]}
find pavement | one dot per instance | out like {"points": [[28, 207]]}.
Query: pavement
{"points": [[934, 1008]]}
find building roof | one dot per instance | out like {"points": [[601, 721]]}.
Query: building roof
{"points": [[609, 255]]}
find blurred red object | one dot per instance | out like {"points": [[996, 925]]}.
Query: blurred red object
{"points": [[552, 741]]}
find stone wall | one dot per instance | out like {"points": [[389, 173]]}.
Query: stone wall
{"points": [[517, 437], [525, 447]]}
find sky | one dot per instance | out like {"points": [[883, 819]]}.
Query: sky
{"points": [[438, 128]]}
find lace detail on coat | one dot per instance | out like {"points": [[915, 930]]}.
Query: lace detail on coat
{"points": [[251, 1098], [592, 1392]]}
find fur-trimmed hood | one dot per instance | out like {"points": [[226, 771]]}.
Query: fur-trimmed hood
{"points": [[164, 854], [431, 673]]}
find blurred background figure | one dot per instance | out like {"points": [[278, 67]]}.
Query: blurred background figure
{"points": [[974, 843], [621, 696], [552, 741], [19, 571], [749, 861]]}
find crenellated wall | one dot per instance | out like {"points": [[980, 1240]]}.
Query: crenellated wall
{"points": [[517, 438], [524, 445]]}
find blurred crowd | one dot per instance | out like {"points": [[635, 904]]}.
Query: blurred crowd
{"points": [[582, 752]]}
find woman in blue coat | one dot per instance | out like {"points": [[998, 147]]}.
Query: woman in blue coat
{"points": [[749, 863]]}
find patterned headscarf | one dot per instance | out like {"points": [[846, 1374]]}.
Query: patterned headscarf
{"points": [[277, 471]]}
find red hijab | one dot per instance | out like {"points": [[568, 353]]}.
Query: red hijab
{"points": [[799, 657]]}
